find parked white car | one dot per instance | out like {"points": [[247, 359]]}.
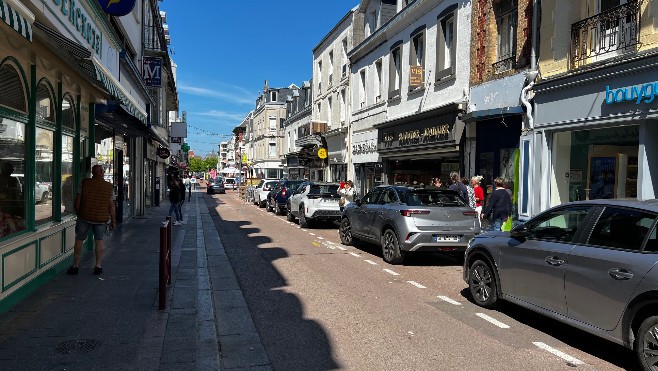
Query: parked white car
{"points": [[312, 202], [42, 190], [262, 190]]}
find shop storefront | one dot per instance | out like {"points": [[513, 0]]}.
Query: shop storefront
{"points": [[368, 168], [596, 135], [336, 157], [418, 148]]}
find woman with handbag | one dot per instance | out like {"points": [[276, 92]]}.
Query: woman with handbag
{"points": [[499, 205], [346, 194]]}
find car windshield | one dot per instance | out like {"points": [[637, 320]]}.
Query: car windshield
{"points": [[422, 197], [327, 189], [219, 180]]}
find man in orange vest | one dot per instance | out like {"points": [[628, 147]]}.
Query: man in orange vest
{"points": [[94, 205]]}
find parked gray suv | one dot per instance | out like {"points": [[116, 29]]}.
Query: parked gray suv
{"points": [[402, 219], [590, 264]]}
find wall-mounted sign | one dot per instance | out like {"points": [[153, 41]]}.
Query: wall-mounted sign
{"points": [[176, 140], [645, 93], [415, 76], [117, 8], [163, 153], [421, 133], [364, 147], [81, 22], [322, 153], [152, 71]]}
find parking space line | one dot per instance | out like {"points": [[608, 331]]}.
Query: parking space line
{"points": [[564, 356], [492, 320], [355, 254], [370, 262], [391, 272], [417, 284], [447, 299]]}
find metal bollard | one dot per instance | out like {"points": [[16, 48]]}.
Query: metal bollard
{"points": [[169, 250], [162, 288]]}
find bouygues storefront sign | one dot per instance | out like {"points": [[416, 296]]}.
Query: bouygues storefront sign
{"points": [[645, 93], [70, 11]]}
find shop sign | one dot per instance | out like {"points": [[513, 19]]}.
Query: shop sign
{"points": [[163, 153], [152, 71], [427, 135], [78, 17], [645, 93], [364, 147], [176, 140], [117, 8], [415, 76]]}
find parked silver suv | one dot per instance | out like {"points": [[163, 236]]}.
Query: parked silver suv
{"points": [[402, 219], [590, 264]]}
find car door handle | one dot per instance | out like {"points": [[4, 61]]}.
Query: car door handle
{"points": [[620, 274], [554, 260]]}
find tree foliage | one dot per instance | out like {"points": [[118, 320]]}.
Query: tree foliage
{"points": [[196, 164]]}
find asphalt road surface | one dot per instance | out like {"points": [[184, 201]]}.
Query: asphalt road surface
{"points": [[319, 305]]}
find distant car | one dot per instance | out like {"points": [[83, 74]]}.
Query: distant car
{"points": [[215, 186], [262, 190], [277, 198], [402, 219], [312, 202], [230, 183], [590, 264], [42, 191]]}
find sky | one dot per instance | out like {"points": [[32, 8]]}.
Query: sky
{"points": [[225, 50]]}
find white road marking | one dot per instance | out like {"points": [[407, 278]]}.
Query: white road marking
{"points": [[558, 353], [341, 248], [391, 272], [304, 230], [447, 299], [371, 262], [492, 320], [417, 284], [355, 254], [320, 238], [312, 234]]}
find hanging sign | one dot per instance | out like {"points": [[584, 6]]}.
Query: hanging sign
{"points": [[152, 71], [117, 8], [322, 153], [163, 153]]}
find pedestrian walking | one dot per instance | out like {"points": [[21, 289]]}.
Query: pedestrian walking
{"points": [[174, 198], [499, 205], [188, 187], [479, 196], [182, 190], [94, 206], [346, 195], [457, 186]]}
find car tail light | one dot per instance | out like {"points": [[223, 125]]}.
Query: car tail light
{"points": [[283, 192], [413, 212], [470, 213]]}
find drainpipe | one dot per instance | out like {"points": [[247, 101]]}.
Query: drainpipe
{"points": [[531, 75]]}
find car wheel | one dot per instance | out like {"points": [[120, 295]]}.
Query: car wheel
{"points": [[289, 215], [277, 209], [646, 343], [44, 198], [345, 232], [268, 207], [304, 222], [482, 284], [262, 204], [391, 248]]}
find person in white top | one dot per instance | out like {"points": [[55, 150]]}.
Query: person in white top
{"points": [[346, 194]]}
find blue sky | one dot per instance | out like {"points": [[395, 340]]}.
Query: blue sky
{"points": [[225, 50]]}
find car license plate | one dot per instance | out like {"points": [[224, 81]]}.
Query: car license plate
{"points": [[438, 238]]}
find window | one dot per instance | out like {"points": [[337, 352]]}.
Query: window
{"points": [[331, 67], [272, 149], [417, 52], [344, 67], [45, 108], [362, 88], [273, 96], [621, 228], [45, 174], [372, 196], [395, 72], [558, 225], [388, 196], [272, 121], [506, 24], [378, 80], [329, 111], [342, 106], [319, 110], [320, 77], [68, 113], [446, 47]]}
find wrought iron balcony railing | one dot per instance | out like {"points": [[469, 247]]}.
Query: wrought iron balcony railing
{"points": [[606, 34], [505, 64]]}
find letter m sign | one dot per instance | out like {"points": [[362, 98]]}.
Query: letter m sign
{"points": [[152, 71]]}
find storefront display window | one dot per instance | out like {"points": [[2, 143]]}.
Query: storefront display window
{"points": [[68, 188], [595, 164], [13, 150], [44, 175]]}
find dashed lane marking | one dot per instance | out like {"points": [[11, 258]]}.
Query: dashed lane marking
{"points": [[564, 356], [315, 243], [371, 262], [492, 320], [312, 234], [391, 272], [447, 299], [320, 238], [417, 284], [355, 254]]}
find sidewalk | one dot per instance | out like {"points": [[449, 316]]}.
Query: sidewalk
{"points": [[112, 321]]}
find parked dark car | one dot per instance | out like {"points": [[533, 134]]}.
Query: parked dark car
{"points": [[216, 186], [591, 264], [278, 196], [403, 219]]}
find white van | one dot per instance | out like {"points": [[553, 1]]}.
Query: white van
{"points": [[230, 183]]}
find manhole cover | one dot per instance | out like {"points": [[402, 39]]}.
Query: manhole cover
{"points": [[78, 346]]}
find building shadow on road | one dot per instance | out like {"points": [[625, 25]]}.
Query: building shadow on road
{"points": [[291, 341], [588, 343]]}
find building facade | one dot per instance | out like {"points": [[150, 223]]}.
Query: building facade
{"points": [[298, 119]]}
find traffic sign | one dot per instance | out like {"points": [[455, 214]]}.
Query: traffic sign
{"points": [[322, 153]]}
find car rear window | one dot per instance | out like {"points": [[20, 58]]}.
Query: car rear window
{"points": [[328, 189], [230, 181], [294, 184], [423, 197], [270, 184]]}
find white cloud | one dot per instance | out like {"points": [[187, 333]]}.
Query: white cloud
{"points": [[239, 95]]}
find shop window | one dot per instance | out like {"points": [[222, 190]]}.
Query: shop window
{"points": [[45, 174], [68, 186], [68, 113], [595, 164], [12, 92], [45, 108]]}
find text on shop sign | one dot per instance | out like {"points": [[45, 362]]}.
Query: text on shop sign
{"points": [[427, 135], [644, 93], [79, 19]]}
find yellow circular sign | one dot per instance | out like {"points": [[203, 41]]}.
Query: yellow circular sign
{"points": [[322, 153]]}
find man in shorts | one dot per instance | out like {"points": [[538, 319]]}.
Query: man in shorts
{"points": [[94, 205]]}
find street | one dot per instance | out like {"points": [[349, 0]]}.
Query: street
{"points": [[318, 304]]}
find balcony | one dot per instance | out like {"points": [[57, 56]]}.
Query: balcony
{"points": [[607, 34], [505, 64]]}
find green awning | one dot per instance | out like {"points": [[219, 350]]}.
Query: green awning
{"points": [[116, 91], [15, 20]]}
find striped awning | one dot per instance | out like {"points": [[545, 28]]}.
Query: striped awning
{"points": [[115, 90], [15, 20]]}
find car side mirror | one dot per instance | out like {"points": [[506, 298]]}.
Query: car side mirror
{"points": [[520, 231], [357, 202]]}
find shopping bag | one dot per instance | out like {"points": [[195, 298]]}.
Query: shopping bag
{"points": [[507, 225]]}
